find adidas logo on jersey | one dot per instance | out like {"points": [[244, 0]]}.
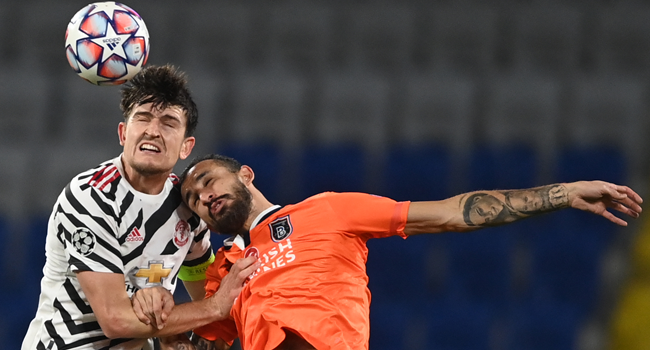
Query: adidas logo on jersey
{"points": [[134, 236]]}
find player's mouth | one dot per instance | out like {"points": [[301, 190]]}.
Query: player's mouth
{"points": [[217, 205], [149, 148]]}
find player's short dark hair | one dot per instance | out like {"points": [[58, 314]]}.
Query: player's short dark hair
{"points": [[164, 86], [230, 164]]}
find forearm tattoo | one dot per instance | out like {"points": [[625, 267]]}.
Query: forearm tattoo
{"points": [[202, 344], [492, 208]]}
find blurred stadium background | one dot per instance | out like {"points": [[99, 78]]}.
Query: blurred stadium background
{"points": [[409, 99]]}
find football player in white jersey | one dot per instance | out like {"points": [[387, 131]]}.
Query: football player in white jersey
{"points": [[121, 227]]}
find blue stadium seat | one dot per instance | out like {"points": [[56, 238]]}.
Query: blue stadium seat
{"points": [[266, 161], [539, 326], [462, 326], [417, 173], [388, 324], [566, 259], [607, 163], [414, 268], [480, 266], [339, 168], [502, 167]]}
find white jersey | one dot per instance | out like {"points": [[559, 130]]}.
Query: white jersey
{"points": [[100, 223]]}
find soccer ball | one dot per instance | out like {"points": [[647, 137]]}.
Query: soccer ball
{"points": [[106, 43]]}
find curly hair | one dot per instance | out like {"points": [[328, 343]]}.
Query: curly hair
{"points": [[164, 86]]}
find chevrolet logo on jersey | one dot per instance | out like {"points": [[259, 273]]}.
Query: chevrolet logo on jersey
{"points": [[154, 273]]}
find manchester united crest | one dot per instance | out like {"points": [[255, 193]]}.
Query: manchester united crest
{"points": [[182, 233], [281, 228]]}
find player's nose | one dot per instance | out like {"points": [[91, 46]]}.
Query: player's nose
{"points": [[206, 197]]}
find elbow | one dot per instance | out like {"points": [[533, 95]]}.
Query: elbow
{"points": [[115, 327]]}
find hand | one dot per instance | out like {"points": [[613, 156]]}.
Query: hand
{"points": [[597, 196], [232, 284], [176, 342], [153, 305]]}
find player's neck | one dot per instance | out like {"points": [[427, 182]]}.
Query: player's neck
{"points": [[145, 183], [259, 204]]}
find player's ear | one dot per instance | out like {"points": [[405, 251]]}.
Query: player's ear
{"points": [[246, 175], [121, 132], [187, 146]]}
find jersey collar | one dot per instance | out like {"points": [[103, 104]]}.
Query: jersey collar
{"points": [[264, 214]]}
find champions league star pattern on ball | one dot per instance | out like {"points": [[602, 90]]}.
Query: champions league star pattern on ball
{"points": [[106, 43]]}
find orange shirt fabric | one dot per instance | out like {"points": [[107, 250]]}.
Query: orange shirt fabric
{"points": [[313, 278]]}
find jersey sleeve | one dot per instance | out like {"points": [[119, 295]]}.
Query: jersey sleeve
{"points": [[369, 215], [199, 257], [224, 329], [84, 221]]}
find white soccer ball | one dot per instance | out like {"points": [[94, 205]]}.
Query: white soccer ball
{"points": [[106, 43]]}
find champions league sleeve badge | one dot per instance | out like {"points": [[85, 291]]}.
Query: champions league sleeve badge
{"points": [[83, 241], [281, 228]]}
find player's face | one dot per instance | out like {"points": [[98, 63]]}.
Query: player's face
{"points": [[154, 139], [526, 201], [217, 196], [485, 209]]}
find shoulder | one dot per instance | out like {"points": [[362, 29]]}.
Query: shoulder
{"points": [[99, 177], [96, 187]]}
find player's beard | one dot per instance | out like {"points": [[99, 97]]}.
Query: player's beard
{"points": [[234, 216]]}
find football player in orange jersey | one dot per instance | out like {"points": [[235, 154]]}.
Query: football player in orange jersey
{"points": [[311, 289]]}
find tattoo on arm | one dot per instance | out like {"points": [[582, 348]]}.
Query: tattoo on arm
{"points": [[487, 209], [201, 343]]}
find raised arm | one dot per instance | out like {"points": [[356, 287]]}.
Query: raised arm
{"points": [[474, 210]]}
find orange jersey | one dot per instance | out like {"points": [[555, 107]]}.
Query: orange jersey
{"points": [[313, 277]]}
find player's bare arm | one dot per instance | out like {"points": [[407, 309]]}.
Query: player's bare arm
{"points": [[117, 318], [473, 210]]}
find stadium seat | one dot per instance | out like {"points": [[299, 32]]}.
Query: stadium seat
{"points": [[435, 120], [494, 167], [605, 112], [380, 36], [267, 162], [219, 37], [458, 38], [389, 324], [17, 190], [413, 270], [90, 115], [339, 168], [520, 128], [546, 38], [541, 326], [462, 326], [61, 164], [607, 163], [300, 37], [39, 36], [347, 135], [566, 261], [622, 34], [417, 173], [266, 107], [24, 99], [480, 266]]}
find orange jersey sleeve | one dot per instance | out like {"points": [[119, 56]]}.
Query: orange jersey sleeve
{"points": [[224, 329], [369, 215]]}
